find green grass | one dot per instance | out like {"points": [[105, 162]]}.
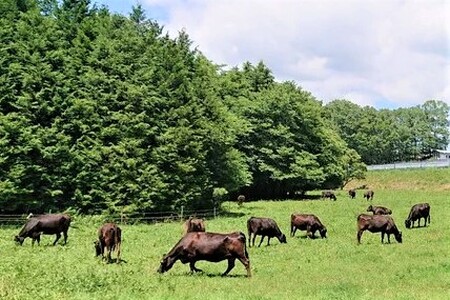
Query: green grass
{"points": [[333, 268]]}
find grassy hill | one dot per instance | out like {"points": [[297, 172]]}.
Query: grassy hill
{"points": [[435, 179]]}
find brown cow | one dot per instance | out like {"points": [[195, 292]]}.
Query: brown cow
{"points": [[214, 247], [109, 237], [307, 222], [264, 227], [379, 210], [194, 225], [46, 224], [352, 193], [378, 223], [368, 195], [418, 211], [328, 194], [241, 200]]}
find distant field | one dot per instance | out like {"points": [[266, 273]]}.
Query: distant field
{"points": [[333, 268]]}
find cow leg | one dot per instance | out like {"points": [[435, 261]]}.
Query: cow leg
{"points": [[293, 230], [382, 237], [389, 238], [246, 262], [231, 263], [262, 239], [253, 240], [193, 268], [359, 235], [418, 222], [58, 236], [65, 237], [268, 241]]}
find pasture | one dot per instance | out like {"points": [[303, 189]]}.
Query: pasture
{"points": [[333, 268]]}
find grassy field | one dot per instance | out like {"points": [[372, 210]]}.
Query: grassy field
{"points": [[333, 268]]}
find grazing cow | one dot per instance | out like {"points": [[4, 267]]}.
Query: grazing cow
{"points": [[352, 193], [378, 223], [194, 225], [241, 200], [310, 223], [368, 195], [214, 247], [46, 224], [109, 237], [418, 211], [328, 194], [379, 210], [264, 227]]}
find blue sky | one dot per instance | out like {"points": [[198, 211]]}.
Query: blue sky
{"points": [[383, 53]]}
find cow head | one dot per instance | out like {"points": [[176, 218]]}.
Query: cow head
{"points": [[323, 232], [166, 264], [370, 208], [398, 237], [98, 248], [408, 224], [19, 239], [283, 238]]}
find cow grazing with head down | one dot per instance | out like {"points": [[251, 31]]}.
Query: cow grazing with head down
{"points": [[418, 211], [307, 222], [379, 210], [109, 238], [44, 224], [352, 193], [368, 195], [328, 194], [263, 227], [214, 247], [194, 225], [378, 223]]}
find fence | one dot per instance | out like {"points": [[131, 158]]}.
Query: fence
{"points": [[122, 218], [438, 163]]}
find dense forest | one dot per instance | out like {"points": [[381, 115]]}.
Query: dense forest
{"points": [[101, 112]]}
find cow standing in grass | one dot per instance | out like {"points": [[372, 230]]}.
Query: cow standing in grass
{"points": [[263, 227], [329, 194], [194, 225], [214, 247], [379, 210], [307, 222], [418, 211], [44, 224], [368, 195], [109, 239], [378, 223], [352, 193]]}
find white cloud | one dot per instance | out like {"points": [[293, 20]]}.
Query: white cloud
{"points": [[371, 52]]}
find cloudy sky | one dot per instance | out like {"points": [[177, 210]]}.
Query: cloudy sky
{"points": [[383, 53]]}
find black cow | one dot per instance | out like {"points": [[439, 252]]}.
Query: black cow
{"points": [[368, 195], [379, 210], [352, 193], [214, 247], [418, 211], [328, 194], [46, 224], [307, 222], [263, 227], [378, 223], [109, 237]]}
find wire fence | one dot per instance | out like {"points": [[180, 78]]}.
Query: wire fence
{"points": [[123, 218], [438, 163]]}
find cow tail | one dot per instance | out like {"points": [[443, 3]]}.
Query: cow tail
{"points": [[243, 239]]}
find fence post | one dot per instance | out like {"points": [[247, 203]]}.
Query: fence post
{"points": [[215, 212], [182, 211], [121, 216]]}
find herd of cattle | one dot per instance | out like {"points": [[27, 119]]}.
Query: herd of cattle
{"points": [[197, 244]]}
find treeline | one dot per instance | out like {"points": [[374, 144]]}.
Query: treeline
{"points": [[386, 136], [101, 112]]}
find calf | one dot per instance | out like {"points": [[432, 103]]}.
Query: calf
{"points": [[241, 200], [328, 194], [378, 223], [379, 210], [368, 195], [263, 227], [45, 224], [214, 247], [109, 237], [418, 211], [194, 225], [352, 193], [310, 223]]}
